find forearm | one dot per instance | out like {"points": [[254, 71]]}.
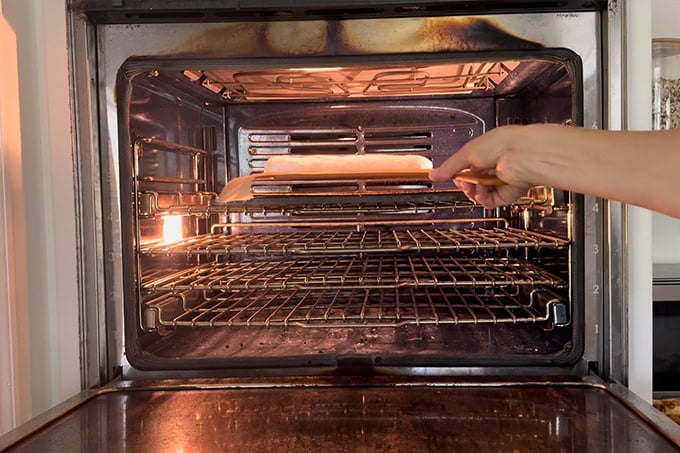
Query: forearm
{"points": [[640, 168]]}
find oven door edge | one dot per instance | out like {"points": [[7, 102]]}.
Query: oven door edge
{"points": [[575, 406]]}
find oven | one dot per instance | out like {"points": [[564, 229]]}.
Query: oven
{"points": [[352, 310], [352, 272]]}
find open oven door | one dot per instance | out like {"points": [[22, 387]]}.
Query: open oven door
{"points": [[344, 414]]}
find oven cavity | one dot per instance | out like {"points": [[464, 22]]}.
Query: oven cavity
{"points": [[399, 270]]}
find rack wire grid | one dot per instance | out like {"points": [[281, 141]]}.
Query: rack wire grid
{"points": [[392, 307], [336, 242], [358, 272]]}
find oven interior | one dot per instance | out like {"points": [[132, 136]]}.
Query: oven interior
{"points": [[358, 272]]}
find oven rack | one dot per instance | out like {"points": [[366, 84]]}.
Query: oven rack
{"points": [[353, 272], [152, 203], [341, 242], [351, 308], [426, 201]]}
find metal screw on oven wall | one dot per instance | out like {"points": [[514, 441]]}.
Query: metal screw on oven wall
{"points": [[360, 141], [154, 73]]}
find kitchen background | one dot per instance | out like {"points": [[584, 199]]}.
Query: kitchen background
{"points": [[39, 292], [665, 230]]}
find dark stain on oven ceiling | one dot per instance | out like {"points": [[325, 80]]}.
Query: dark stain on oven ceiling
{"points": [[351, 37]]}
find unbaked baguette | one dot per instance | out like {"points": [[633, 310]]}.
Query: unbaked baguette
{"points": [[353, 163]]}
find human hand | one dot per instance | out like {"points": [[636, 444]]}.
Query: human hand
{"points": [[492, 153]]}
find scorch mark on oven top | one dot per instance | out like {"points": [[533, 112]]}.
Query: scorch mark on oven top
{"points": [[349, 37]]}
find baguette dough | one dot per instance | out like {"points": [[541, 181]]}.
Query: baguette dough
{"points": [[353, 163]]}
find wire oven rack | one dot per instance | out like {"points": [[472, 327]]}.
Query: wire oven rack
{"points": [[334, 242], [384, 307], [154, 203], [425, 201], [345, 291], [354, 272]]}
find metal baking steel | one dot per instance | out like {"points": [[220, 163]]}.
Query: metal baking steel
{"points": [[339, 414]]}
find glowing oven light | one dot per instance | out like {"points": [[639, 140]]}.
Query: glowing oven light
{"points": [[172, 228]]}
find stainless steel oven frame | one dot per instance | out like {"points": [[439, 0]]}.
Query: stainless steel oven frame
{"points": [[113, 31], [113, 44]]}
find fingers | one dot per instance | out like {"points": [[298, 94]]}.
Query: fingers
{"points": [[480, 154], [487, 154], [491, 196], [468, 188], [477, 193], [498, 196], [452, 166]]}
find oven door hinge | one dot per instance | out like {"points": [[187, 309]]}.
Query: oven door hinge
{"points": [[594, 367]]}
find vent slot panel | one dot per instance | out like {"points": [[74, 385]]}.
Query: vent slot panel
{"points": [[433, 130], [263, 144]]}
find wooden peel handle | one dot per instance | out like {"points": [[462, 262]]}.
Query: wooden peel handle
{"points": [[465, 175], [474, 178]]}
